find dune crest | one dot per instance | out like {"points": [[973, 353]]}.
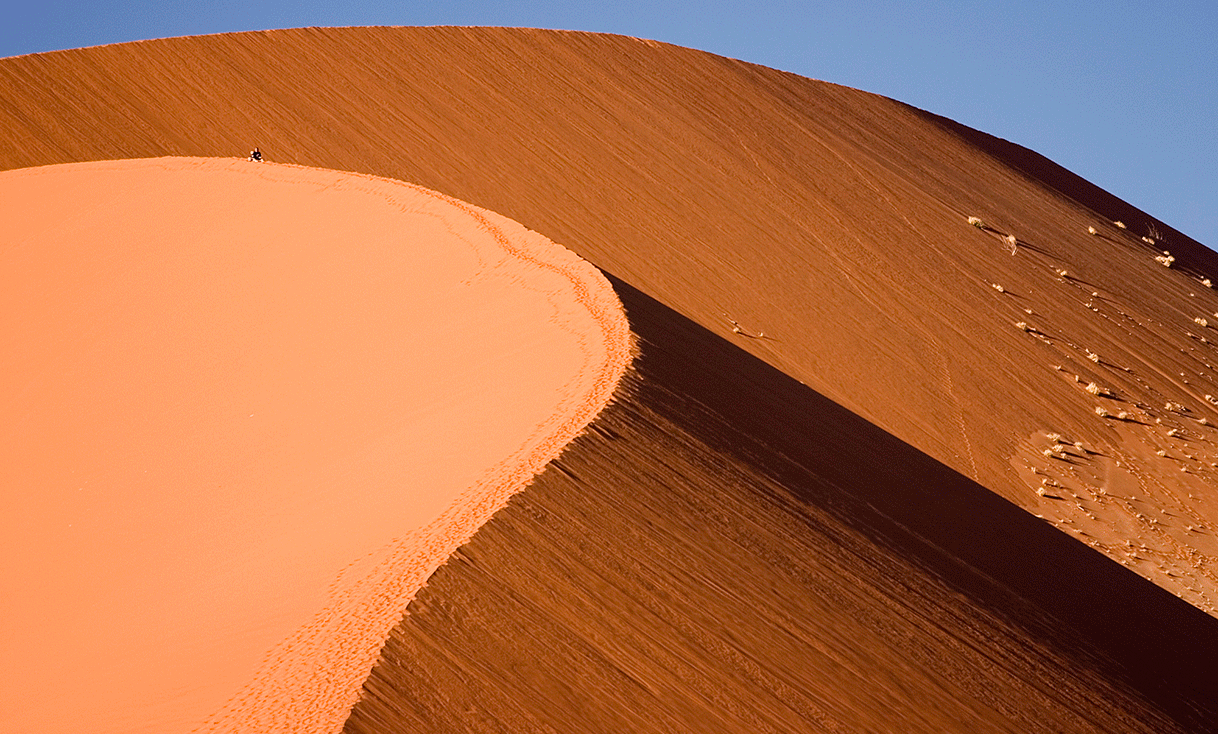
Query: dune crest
{"points": [[260, 405]]}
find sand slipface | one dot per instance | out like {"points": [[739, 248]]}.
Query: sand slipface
{"points": [[252, 408]]}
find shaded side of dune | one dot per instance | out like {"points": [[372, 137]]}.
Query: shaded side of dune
{"points": [[727, 550]]}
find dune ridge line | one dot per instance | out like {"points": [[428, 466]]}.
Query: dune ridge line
{"points": [[305, 684]]}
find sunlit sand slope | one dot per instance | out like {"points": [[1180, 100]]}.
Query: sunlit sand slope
{"points": [[832, 220], [247, 410]]}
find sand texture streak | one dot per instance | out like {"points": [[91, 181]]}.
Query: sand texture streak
{"points": [[249, 409]]}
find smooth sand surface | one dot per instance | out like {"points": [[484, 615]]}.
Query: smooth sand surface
{"points": [[248, 409]]}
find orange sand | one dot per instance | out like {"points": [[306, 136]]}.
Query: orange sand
{"points": [[248, 410]]}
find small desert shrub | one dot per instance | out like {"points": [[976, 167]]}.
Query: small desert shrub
{"points": [[1122, 416], [1120, 225], [1093, 357], [1013, 242], [976, 222], [1063, 273], [1173, 433], [1095, 389], [1148, 240], [1201, 322], [1022, 326], [1101, 411], [1165, 259], [1092, 230], [999, 288], [1207, 283]]}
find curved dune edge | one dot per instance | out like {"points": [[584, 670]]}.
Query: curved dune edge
{"points": [[310, 682]]}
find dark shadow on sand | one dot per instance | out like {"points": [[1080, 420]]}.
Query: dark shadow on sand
{"points": [[1063, 593]]}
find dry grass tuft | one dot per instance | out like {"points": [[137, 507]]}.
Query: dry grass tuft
{"points": [[1092, 230], [1120, 225], [1022, 326], [976, 222], [1165, 259], [1101, 411], [1201, 322]]}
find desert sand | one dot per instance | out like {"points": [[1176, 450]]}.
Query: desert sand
{"points": [[859, 481], [250, 408]]}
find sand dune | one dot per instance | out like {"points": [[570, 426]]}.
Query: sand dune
{"points": [[832, 219], [947, 382], [251, 408]]}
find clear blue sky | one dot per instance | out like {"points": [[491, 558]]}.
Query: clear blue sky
{"points": [[1124, 93]]}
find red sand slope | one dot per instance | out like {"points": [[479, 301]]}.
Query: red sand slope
{"points": [[248, 410], [834, 221]]}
